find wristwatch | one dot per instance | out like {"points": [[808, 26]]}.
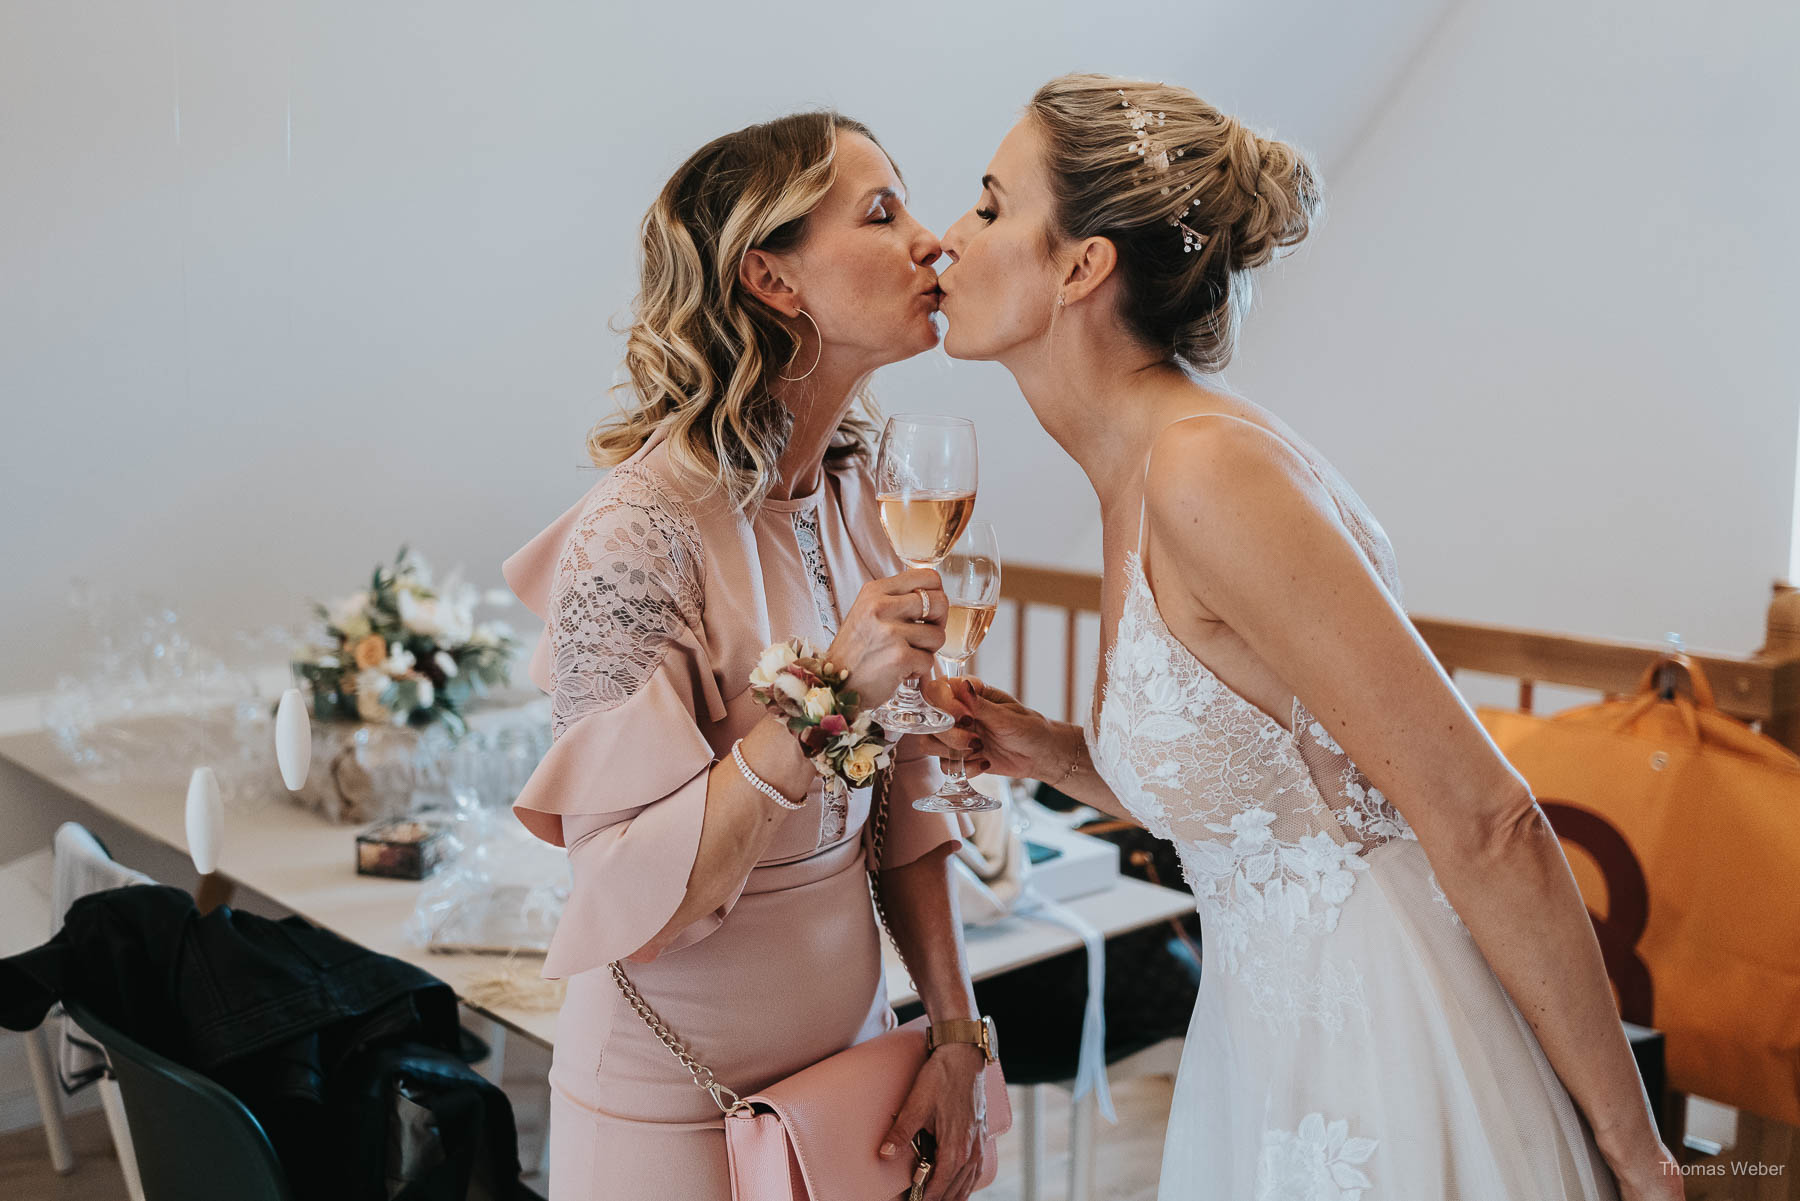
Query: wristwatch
{"points": [[979, 1031]]}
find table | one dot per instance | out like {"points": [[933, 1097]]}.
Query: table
{"points": [[302, 864]]}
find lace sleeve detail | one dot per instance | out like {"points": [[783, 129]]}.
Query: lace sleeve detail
{"points": [[629, 582]]}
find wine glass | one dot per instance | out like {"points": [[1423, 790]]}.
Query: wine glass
{"points": [[971, 574], [925, 482]]}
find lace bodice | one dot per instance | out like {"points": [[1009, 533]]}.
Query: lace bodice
{"points": [[1273, 823]]}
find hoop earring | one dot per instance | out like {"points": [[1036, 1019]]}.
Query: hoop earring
{"points": [[794, 379]]}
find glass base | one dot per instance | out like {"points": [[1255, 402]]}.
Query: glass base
{"points": [[957, 796], [922, 717]]}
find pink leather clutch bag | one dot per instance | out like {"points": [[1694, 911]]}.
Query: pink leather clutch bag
{"points": [[816, 1135]]}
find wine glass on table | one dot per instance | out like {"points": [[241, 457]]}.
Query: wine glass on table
{"points": [[971, 574], [925, 476]]}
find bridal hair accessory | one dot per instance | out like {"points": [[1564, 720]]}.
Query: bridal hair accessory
{"points": [[1157, 158], [844, 746], [794, 379]]}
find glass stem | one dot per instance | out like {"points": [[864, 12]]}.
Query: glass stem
{"points": [[952, 669]]}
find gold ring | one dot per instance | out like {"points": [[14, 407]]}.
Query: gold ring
{"points": [[924, 605]]}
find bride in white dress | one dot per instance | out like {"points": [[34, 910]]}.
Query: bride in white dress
{"points": [[1367, 1027]]}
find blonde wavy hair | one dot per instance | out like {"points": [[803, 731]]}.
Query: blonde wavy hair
{"points": [[701, 352], [1252, 196]]}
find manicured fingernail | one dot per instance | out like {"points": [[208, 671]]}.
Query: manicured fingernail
{"points": [[964, 723], [887, 1150], [975, 744]]}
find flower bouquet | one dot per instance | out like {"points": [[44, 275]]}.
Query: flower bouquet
{"points": [[844, 746], [395, 661], [404, 653]]}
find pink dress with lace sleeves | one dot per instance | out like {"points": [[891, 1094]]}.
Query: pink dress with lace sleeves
{"points": [[657, 600]]}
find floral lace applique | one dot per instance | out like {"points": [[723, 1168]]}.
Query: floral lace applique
{"points": [[834, 814], [628, 583], [812, 553], [1268, 862], [1437, 892], [1316, 1162]]}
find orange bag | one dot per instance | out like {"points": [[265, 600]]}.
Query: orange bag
{"points": [[1694, 819]]}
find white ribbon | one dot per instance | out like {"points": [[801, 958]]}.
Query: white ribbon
{"points": [[1090, 1070]]}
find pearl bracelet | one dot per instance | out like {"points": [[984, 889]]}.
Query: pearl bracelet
{"points": [[757, 782]]}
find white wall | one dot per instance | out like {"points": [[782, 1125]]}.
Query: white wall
{"points": [[283, 285], [1548, 326]]}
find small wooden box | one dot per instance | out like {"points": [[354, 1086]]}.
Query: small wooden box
{"points": [[400, 848]]}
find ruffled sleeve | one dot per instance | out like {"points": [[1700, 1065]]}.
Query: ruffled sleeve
{"points": [[624, 783]]}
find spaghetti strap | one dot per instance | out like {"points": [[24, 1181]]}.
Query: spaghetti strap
{"points": [[1144, 498]]}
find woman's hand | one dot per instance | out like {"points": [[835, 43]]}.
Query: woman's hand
{"points": [[1646, 1172], [888, 636], [996, 732], [949, 1099]]}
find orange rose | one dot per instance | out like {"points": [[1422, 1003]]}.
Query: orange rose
{"points": [[371, 652]]}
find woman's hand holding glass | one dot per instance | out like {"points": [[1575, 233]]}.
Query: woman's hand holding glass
{"points": [[997, 732], [891, 632], [925, 476]]}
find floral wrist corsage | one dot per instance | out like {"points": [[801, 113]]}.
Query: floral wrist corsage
{"points": [[844, 746]]}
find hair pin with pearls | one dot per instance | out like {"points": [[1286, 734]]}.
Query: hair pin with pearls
{"points": [[1157, 159]]}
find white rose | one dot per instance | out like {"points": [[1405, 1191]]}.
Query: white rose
{"points": [[350, 608], [456, 623], [355, 628], [819, 702], [420, 615], [446, 663], [399, 660], [770, 664]]}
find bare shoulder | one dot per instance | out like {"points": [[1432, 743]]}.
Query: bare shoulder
{"points": [[1218, 486]]}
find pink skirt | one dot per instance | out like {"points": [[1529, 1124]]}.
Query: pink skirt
{"points": [[792, 976]]}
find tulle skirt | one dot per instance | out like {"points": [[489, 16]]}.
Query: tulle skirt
{"points": [[1383, 1061]]}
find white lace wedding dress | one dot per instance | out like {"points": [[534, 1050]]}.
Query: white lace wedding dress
{"points": [[1350, 1042]]}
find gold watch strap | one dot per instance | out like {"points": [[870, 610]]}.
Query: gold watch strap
{"points": [[979, 1031]]}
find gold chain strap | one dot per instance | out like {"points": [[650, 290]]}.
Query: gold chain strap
{"points": [[878, 839], [727, 1100]]}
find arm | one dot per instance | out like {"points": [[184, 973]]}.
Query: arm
{"points": [[1004, 737], [738, 826], [660, 836], [1240, 525]]}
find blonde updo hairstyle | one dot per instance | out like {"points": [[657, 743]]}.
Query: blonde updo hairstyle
{"points": [[1252, 197], [702, 353]]}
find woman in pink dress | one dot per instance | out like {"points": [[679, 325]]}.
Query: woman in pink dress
{"points": [[780, 268]]}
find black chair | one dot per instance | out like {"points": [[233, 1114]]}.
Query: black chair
{"points": [[194, 1141]]}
